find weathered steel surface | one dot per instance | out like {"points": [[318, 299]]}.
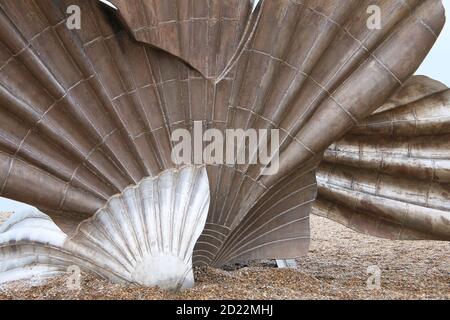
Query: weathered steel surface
{"points": [[84, 114], [390, 176]]}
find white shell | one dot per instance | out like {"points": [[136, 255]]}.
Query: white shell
{"points": [[146, 235]]}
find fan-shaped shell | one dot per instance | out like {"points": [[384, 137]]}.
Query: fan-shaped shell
{"points": [[146, 235], [390, 176], [87, 113]]}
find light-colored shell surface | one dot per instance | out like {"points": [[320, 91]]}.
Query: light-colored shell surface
{"points": [[4, 216], [145, 236], [84, 114], [209, 35], [390, 176]]}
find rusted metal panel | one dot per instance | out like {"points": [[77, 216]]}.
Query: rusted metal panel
{"points": [[87, 113]]}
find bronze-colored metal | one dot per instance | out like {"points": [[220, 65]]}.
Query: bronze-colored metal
{"points": [[84, 114], [390, 176]]}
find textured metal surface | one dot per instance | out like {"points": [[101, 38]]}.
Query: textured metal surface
{"points": [[208, 35], [145, 236], [86, 113], [390, 176]]}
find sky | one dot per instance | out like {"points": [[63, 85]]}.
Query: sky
{"points": [[437, 63], [436, 66]]}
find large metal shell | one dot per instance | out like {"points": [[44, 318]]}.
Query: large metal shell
{"points": [[390, 176], [146, 235], [87, 113]]}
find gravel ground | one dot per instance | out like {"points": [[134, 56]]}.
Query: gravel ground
{"points": [[336, 268]]}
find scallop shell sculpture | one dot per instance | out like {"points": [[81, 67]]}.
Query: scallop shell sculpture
{"points": [[87, 114], [146, 235], [390, 176]]}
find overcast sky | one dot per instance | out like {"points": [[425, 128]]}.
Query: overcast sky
{"points": [[436, 66], [437, 63]]}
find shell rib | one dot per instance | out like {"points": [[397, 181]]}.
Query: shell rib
{"points": [[390, 176], [146, 235], [87, 113]]}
